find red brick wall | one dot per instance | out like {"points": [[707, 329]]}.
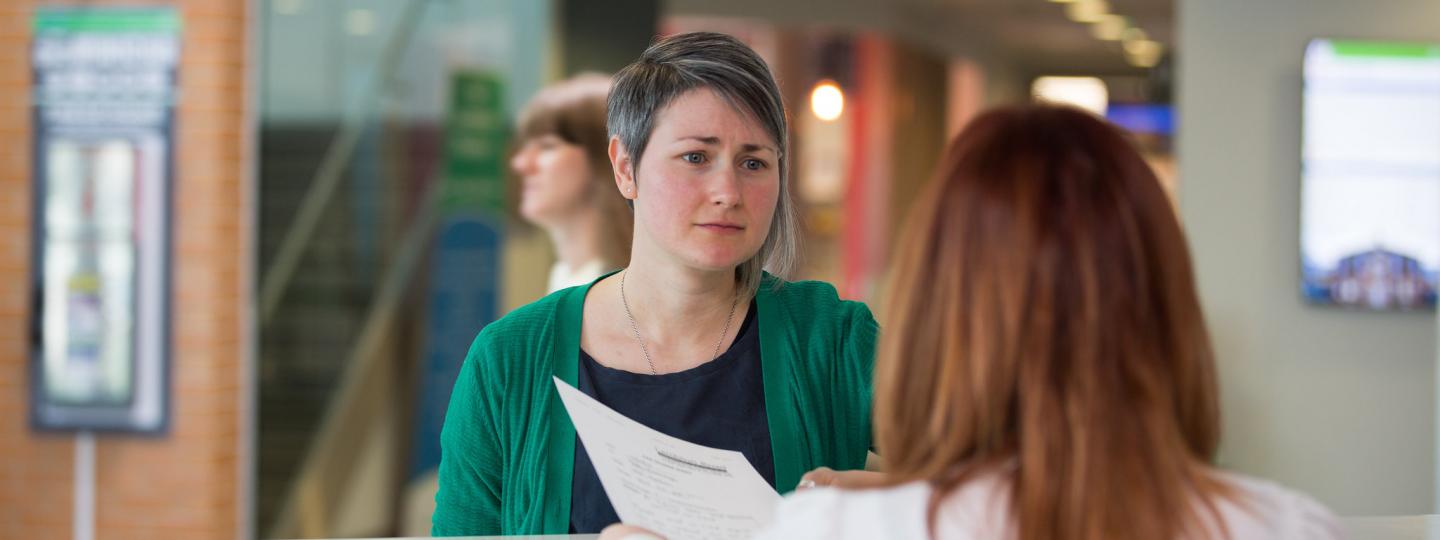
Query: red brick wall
{"points": [[183, 485]]}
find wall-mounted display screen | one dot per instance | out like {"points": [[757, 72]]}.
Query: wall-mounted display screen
{"points": [[1370, 201], [105, 88]]}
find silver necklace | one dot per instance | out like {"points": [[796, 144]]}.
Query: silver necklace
{"points": [[641, 340]]}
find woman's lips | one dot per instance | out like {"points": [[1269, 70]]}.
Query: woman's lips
{"points": [[723, 228]]}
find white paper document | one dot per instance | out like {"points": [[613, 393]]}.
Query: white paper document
{"points": [[681, 490]]}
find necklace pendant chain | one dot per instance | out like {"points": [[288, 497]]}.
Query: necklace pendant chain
{"points": [[641, 340]]}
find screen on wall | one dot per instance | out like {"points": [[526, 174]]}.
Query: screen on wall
{"points": [[1370, 202]]}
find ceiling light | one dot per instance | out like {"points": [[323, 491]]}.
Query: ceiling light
{"points": [[1087, 93], [1087, 11], [827, 101], [1144, 53], [1133, 34], [1142, 46], [1109, 27], [360, 22]]}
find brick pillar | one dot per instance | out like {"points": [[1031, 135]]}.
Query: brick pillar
{"points": [[186, 483]]}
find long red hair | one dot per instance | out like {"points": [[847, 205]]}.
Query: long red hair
{"points": [[1043, 323]]}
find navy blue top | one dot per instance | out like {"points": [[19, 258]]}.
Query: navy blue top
{"points": [[720, 404]]}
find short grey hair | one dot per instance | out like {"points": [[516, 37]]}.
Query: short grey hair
{"points": [[678, 64]]}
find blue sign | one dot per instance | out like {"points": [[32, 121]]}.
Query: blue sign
{"points": [[464, 296], [1143, 118]]}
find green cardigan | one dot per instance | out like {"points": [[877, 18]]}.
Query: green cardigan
{"points": [[508, 447]]}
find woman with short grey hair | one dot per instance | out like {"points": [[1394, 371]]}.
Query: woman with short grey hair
{"points": [[708, 343]]}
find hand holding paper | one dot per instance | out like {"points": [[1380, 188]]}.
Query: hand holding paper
{"points": [[679, 489]]}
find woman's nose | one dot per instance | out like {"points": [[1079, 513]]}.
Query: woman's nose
{"points": [[523, 161], [725, 190]]}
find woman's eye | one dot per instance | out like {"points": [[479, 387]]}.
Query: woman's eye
{"points": [[693, 157], [752, 164]]}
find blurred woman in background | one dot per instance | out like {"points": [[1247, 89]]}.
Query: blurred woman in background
{"points": [[567, 188]]}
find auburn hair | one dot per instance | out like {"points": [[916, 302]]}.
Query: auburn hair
{"points": [[1042, 323]]}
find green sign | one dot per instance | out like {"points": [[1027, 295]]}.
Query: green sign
{"points": [[77, 20], [1386, 49], [475, 135]]}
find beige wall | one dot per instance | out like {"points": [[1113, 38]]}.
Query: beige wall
{"points": [[1340, 404]]}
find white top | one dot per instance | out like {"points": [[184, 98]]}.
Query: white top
{"points": [[564, 277], [979, 509]]}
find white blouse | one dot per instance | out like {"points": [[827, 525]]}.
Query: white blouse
{"points": [[564, 277], [979, 509]]}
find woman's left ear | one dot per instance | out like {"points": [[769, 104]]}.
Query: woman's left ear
{"points": [[623, 167]]}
